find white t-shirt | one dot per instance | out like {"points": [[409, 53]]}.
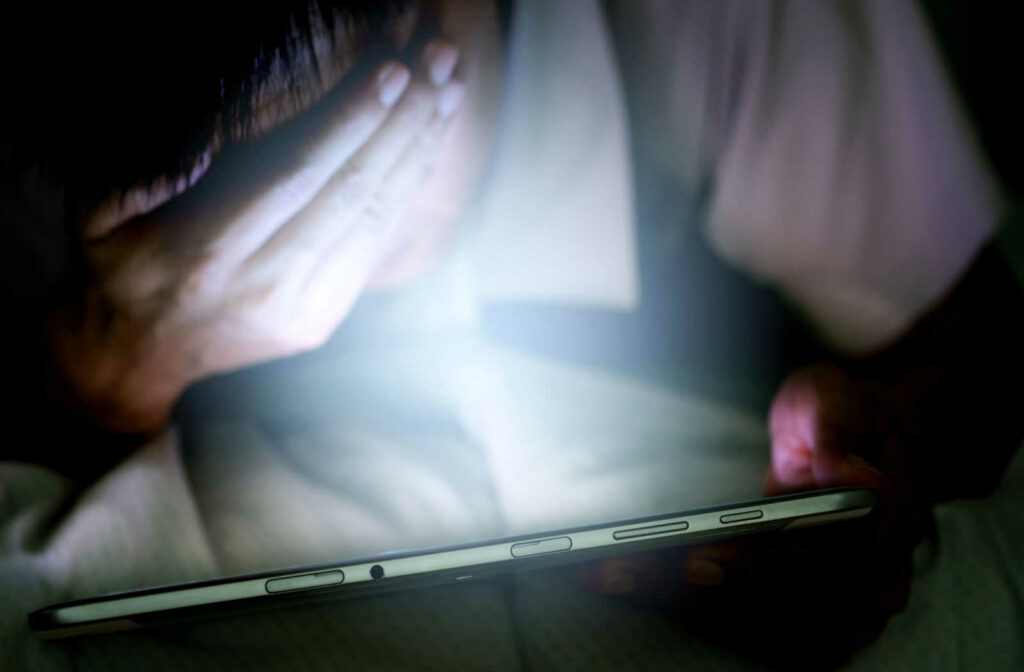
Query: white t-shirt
{"points": [[244, 498], [841, 168]]}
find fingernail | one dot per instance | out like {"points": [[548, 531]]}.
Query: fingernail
{"points": [[703, 572], [450, 99], [616, 579], [441, 59], [391, 83]]}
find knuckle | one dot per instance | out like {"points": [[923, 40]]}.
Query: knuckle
{"points": [[430, 138], [130, 282], [199, 278], [378, 215], [301, 183], [353, 186]]}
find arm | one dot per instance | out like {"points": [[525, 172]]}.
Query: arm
{"points": [[932, 417], [260, 259]]}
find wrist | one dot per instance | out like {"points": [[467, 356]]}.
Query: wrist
{"points": [[104, 372]]}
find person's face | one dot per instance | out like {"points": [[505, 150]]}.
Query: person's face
{"points": [[473, 26]]}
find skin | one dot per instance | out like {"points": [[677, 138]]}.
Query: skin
{"points": [[801, 600], [261, 251], [896, 421]]}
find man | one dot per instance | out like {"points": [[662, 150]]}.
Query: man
{"points": [[239, 255]]}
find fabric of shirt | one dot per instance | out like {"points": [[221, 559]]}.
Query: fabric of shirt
{"points": [[838, 164], [412, 429]]}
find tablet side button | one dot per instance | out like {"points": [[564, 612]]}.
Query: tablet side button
{"points": [[541, 546], [305, 581], [650, 530], [741, 517]]}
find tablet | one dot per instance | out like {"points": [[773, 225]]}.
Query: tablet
{"points": [[438, 565]]}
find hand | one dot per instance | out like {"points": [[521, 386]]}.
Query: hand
{"points": [[829, 429], [262, 258], [897, 420], [809, 596]]}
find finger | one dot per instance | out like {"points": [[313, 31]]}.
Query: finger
{"points": [[819, 422], [663, 574], [325, 255], [625, 575], [347, 264], [250, 192], [836, 397], [791, 425], [354, 187], [406, 179], [823, 457], [708, 566]]}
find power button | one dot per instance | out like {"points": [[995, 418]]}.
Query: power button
{"points": [[541, 547]]}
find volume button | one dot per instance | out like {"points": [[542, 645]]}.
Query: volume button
{"points": [[305, 581], [651, 530], [741, 517]]}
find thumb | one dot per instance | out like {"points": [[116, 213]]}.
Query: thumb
{"points": [[818, 430]]}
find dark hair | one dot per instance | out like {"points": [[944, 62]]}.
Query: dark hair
{"points": [[111, 96]]}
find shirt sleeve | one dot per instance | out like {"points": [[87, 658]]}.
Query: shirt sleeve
{"points": [[839, 165]]}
